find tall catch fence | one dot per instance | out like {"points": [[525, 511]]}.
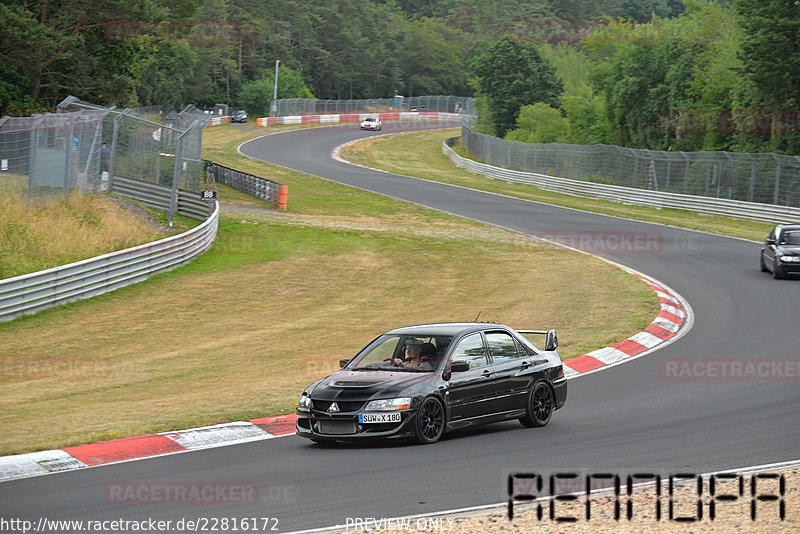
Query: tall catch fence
{"points": [[766, 178], [87, 148], [312, 106]]}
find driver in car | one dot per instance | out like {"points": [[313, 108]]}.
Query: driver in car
{"points": [[414, 356]]}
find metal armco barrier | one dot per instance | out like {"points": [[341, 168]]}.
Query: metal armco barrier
{"points": [[30, 293], [159, 197], [629, 195], [247, 183]]}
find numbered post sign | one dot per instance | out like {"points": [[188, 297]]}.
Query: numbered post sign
{"points": [[208, 195]]}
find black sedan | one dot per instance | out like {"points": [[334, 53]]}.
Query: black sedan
{"points": [[781, 251], [421, 381]]}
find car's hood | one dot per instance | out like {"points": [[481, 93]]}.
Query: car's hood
{"points": [[789, 250], [367, 384]]}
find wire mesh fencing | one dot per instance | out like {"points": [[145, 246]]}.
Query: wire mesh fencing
{"points": [[84, 147], [312, 106], [753, 177], [51, 154]]}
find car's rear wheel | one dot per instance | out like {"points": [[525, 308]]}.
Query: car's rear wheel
{"points": [[430, 421], [540, 406], [763, 265]]}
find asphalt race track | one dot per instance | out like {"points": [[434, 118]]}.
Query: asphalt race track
{"points": [[629, 418]]}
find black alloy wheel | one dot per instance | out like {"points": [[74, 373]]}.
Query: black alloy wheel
{"points": [[540, 406], [430, 421]]}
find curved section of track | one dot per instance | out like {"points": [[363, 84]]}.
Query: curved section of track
{"points": [[629, 418]]}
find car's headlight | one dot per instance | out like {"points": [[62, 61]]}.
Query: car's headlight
{"points": [[304, 403], [790, 259], [400, 403]]}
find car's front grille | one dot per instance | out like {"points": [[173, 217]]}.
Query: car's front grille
{"points": [[379, 427], [344, 406], [335, 426]]}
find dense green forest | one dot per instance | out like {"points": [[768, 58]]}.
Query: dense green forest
{"points": [[659, 74]]}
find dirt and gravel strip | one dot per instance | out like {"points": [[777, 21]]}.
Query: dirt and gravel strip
{"points": [[730, 516]]}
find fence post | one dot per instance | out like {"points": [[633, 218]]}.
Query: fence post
{"points": [[775, 196], [176, 173], [32, 159], [67, 157], [686, 172], [112, 158]]}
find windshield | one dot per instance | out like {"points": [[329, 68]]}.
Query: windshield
{"points": [[790, 238], [369, 120], [404, 353]]}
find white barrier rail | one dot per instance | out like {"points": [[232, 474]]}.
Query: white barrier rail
{"points": [[30, 293], [629, 195]]}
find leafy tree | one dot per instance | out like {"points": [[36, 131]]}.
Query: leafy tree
{"points": [[256, 96], [771, 64], [58, 47], [540, 123], [431, 59], [512, 74]]}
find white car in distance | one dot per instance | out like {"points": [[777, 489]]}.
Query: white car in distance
{"points": [[371, 123]]}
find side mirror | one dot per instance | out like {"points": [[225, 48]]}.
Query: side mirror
{"points": [[459, 366], [551, 342], [770, 241], [343, 362]]}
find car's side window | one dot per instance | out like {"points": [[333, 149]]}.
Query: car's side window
{"points": [[502, 347], [523, 350], [471, 349]]}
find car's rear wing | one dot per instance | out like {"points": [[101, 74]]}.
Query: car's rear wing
{"points": [[551, 341]]}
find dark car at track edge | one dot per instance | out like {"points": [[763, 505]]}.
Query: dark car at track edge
{"points": [[239, 115], [457, 375], [781, 251]]}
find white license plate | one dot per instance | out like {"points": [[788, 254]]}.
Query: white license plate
{"points": [[379, 417]]}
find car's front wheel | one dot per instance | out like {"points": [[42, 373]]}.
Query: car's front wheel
{"points": [[540, 406], [763, 265], [430, 421], [777, 272]]}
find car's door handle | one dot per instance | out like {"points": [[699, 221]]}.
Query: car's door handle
{"points": [[487, 373], [524, 365]]}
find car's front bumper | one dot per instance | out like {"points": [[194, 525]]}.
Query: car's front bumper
{"points": [[321, 426], [790, 267]]}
